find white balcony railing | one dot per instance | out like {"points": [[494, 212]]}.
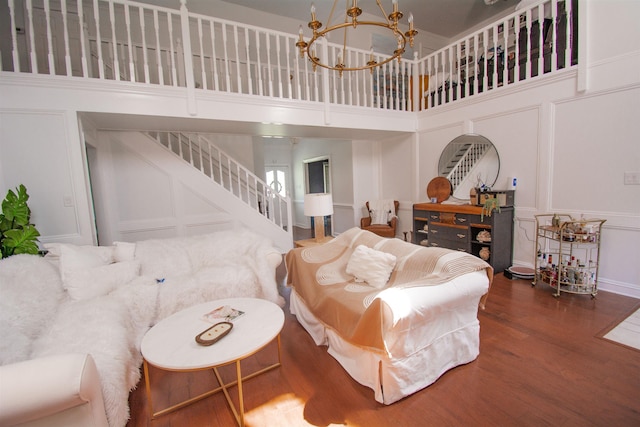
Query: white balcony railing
{"points": [[127, 41], [525, 44]]}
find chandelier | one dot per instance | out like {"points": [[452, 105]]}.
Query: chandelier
{"points": [[352, 12]]}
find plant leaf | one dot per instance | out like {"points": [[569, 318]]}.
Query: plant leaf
{"points": [[15, 208], [17, 235], [21, 241]]}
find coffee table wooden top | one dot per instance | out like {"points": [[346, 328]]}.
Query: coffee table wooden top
{"points": [[171, 343]]}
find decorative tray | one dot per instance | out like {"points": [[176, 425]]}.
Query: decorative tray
{"points": [[214, 334]]}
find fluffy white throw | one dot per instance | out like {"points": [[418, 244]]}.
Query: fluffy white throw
{"points": [[39, 316]]}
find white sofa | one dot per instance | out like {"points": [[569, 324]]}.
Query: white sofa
{"points": [[395, 315], [71, 323]]}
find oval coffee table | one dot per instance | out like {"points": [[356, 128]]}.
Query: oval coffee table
{"points": [[170, 345]]}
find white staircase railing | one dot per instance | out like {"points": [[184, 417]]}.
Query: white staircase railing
{"points": [[471, 156], [197, 150]]}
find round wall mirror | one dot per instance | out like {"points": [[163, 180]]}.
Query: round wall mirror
{"points": [[468, 161]]}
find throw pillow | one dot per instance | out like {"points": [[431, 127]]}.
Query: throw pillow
{"points": [[371, 266], [54, 250], [97, 281], [124, 251], [74, 257]]}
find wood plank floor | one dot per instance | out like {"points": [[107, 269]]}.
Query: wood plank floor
{"points": [[541, 363]]}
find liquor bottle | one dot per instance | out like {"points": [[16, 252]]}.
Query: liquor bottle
{"points": [[548, 273], [542, 262], [571, 271], [562, 273], [582, 273]]}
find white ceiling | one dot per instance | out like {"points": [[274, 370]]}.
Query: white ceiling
{"points": [[131, 122], [447, 18]]}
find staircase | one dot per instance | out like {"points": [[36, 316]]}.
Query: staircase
{"points": [[256, 196], [462, 162]]}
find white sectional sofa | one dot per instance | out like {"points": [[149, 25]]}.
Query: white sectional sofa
{"points": [[71, 323]]}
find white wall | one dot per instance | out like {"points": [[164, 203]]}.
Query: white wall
{"points": [[384, 170], [42, 150], [568, 148], [569, 153]]}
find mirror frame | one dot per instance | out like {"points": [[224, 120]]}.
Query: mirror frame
{"points": [[492, 169]]}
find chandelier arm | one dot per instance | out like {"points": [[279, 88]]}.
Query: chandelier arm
{"points": [[333, 8], [338, 26], [353, 11], [346, 24], [384, 14], [364, 67], [397, 53], [341, 59]]}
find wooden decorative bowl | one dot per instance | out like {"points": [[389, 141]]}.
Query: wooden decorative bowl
{"points": [[214, 334]]}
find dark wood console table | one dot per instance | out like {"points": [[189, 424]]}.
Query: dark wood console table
{"points": [[461, 227]]}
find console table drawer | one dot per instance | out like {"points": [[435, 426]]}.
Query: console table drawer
{"points": [[456, 246], [450, 218], [450, 233]]}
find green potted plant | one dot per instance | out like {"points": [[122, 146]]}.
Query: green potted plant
{"points": [[17, 234], [490, 204]]}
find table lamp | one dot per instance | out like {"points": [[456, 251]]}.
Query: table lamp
{"points": [[318, 205]]}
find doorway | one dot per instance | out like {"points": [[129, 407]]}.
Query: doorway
{"points": [[317, 173]]}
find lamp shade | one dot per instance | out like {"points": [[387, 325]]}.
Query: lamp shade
{"points": [[318, 204]]}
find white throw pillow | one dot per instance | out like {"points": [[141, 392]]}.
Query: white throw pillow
{"points": [[55, 250], [97, 281], [371, 266], [73, 258], [124, 251]]}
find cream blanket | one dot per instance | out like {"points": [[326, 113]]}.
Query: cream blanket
{"points": [[318, 275], [382, 211]]}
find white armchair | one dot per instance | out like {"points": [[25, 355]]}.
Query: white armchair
{"points": [[60, 390]]}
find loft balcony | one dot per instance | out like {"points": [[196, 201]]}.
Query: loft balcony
{"points": [[141, 44]]}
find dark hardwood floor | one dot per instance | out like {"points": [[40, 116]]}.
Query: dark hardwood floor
{"points": [[541, 363]]}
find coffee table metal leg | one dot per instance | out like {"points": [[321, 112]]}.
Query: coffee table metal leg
{"points": [[240, 394], [148, 387], [238, 414]]}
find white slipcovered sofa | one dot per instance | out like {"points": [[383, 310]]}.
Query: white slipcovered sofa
{"points": [[71, 323], [395, 315]]}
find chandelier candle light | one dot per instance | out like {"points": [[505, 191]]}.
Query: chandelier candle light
{"points": [[351, 20]]}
